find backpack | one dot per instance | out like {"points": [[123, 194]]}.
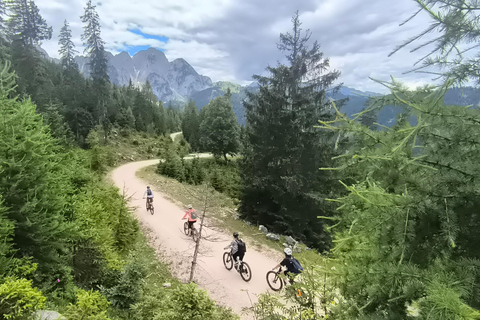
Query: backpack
{"points": [[296, 266], [193, 216], [149, 192], [242, 247]]}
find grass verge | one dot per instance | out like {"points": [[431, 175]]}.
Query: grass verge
{"points": [[222, 212]]}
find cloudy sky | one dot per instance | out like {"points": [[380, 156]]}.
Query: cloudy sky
{"points": [[233, 39]]}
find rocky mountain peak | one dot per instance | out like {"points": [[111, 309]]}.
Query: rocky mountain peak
{"points": [[176, 80]]}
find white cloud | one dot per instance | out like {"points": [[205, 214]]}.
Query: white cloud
{"points": [[233, 39]]}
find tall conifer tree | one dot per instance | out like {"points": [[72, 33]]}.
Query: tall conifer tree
{"points": [[67, 47], [283, 152]]}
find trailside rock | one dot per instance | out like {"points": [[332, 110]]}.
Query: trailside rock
{"points": [[273, 236], [263, 229], [48, 315], [292, 242], [167, 285]]}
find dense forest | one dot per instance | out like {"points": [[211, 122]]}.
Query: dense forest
{"points": [[392, 210], [68, 239]]}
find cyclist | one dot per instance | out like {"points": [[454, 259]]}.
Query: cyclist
{"points": [[292, 265], [149, 194], [238, 249], [192, 218]]}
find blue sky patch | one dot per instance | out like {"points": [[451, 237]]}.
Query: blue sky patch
{"points": [[132, 50]]}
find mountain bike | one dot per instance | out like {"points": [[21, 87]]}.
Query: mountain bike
{"points": [[190, 231], [150, 207], [277, 282], [243, 269]]}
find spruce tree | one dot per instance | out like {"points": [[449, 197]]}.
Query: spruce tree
{"points": [[67, 47], [94, 45], [26, 24], [33, 185], [191, 124], [283, 188], [219, 130]]}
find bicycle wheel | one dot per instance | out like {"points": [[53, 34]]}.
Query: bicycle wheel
{"points": [[151, 209], [274, 281], [185, 228], [245, 272], [227, 260], [194, 234]]}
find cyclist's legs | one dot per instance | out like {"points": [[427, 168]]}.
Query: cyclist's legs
{"points": [[237, 256], [190, 224]]}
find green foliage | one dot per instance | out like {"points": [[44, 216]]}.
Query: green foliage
{"points": [[172, 165], [90, 305], [189, 302], [183, 148], [219, 130], [25, 23], [282, 186], [19, 300], [406, 232], [126, 291], [191, 125], [33, 184], [456, 24], [67, 47], [101, 214]]}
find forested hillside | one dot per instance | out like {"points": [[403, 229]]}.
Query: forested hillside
{"points": [[68, 239], [389, 209]]}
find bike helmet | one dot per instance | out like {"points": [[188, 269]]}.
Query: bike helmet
{"points": [[190, 206], [235, 234], [148, 187], [288, 251]]}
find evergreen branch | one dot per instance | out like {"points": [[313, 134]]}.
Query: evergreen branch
{"points": [[450, 168]]}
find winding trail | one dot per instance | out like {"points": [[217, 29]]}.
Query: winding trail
{"points": [[225, 287]]}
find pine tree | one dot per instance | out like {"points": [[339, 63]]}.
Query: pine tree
{"points": [[3, 12], [33, 185], [67, 47], [219, 130], [26, 24], [94, 45], [191, 124], [283, 188]]}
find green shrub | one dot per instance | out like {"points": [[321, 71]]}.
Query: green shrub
{"points": [[19, 300], [90, 305], [189, 302], [126, 291], [172, 166]]}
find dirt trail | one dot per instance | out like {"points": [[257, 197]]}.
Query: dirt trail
{"points": [[225, 287]]}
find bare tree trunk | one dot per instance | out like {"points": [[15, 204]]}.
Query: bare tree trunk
{"points": [[199, 237]]}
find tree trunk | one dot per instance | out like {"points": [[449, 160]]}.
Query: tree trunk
{"points": [[199, 237]]}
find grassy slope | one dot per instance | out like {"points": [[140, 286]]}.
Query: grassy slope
{"points": [[222, 210]]}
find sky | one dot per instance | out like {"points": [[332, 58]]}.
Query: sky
{"points": [[233, 39]]}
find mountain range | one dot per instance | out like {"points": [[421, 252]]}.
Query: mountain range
{"points": [[177, 82]]}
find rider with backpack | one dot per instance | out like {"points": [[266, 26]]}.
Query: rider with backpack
{"points": [[293, 266], [149, 194], [238, 249], [192, 217]]}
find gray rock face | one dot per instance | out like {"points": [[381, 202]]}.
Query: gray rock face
{"points": [[263, 229], [273, 236], [176, 80]]}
